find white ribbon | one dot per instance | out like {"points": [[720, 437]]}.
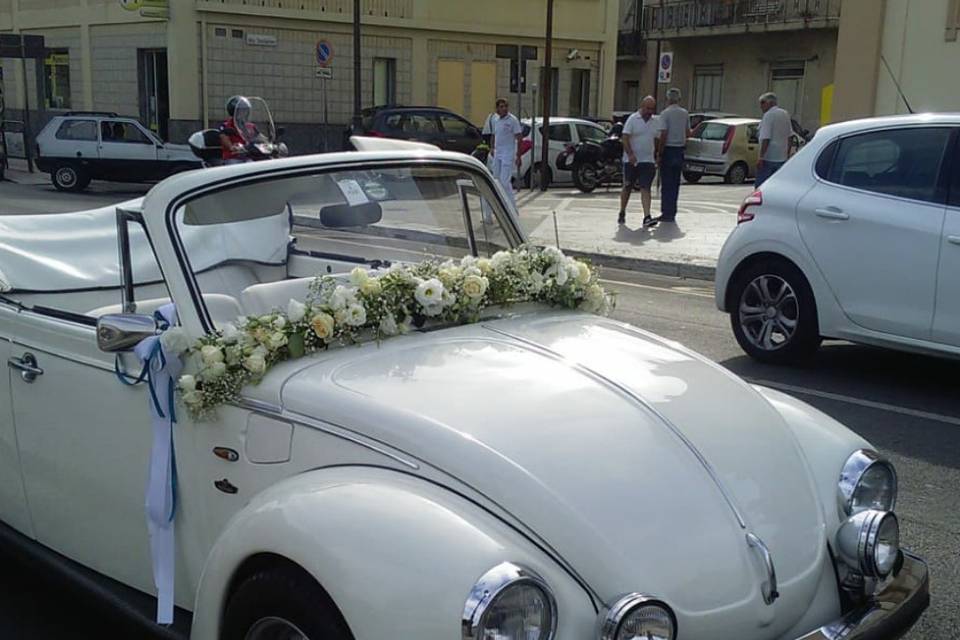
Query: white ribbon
{"points": [[160, 371]]}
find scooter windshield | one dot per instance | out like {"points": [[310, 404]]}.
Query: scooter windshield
{"points": [[254, 121]]}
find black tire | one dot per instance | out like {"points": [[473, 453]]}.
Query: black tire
{"points": [[752, 294], [692, 178], [66, 177], [737, 174], [286, 594], [585, 177], [527, 177]]}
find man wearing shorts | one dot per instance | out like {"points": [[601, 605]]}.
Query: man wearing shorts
{"points": [[640, 139]]}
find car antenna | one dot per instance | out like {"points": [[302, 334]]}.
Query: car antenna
{"points": [[896, 84]]}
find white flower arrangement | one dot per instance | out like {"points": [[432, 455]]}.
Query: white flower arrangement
{"points": [[380, 305]]}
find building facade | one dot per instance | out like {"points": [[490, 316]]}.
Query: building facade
{"points": [[895, 53], [174, 63], [727, 52]]}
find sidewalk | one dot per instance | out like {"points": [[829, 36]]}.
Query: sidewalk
{"points": [[17, 172], [587, 225]]}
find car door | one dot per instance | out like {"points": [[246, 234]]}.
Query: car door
{"points": [[946, 322], [585, 132], [76, 140], [561, 135], [873, 222], [422, 126], [458, 134], [13, 501], [126, 152]]}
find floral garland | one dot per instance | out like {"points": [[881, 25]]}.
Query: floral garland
{"points": [[377, 305]]}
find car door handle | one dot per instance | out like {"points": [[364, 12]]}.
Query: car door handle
{"points": [[832, 213], [953, 240], [27, 366]]}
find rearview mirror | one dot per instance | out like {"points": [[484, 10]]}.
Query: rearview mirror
{"points": [[123, 331], [347, 215]]}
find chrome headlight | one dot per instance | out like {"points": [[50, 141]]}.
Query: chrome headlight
{"points": [[638, 616], [510, 602], [869, 542], [866, 482]]}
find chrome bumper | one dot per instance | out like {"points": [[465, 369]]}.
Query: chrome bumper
{"points": [[888, 614]]}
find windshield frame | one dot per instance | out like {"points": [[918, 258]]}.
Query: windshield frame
{"points": [[508, 222]]}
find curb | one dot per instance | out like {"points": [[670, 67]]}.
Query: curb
{"points": [[658, 267]]}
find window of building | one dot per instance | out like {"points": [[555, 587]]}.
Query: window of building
{"points": [[631, 90], [899, 162], [56, 68], [580, 92], [786, 80], [78, 130], [707, 87], [237, 33], [384, 81], [220, 32], [953, 20]]}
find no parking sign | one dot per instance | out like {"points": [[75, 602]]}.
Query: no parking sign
{"points": [[665, 68], [324, 53]]}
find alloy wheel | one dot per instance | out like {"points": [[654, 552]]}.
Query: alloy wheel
{"points": [[66, 177], [273, 628], [769, 312], [588, 176]]}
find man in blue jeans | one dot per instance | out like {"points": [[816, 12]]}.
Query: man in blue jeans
{"points": [[774, 135], [675, 129]]}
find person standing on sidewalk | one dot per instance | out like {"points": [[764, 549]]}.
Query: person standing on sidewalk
{"points": [[774, 135], [641, 140], [673, 140], [505, 132]]}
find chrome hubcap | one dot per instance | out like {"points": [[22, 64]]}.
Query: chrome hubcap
{"points": [[769, 312], [66, 177], [273, 628]]}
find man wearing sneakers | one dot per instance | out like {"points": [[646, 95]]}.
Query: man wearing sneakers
{"points": [[640, 139]]}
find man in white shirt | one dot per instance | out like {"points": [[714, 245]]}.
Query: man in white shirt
{"points": [[641, 153], [675, 130], [774, 135], [506, 132]]}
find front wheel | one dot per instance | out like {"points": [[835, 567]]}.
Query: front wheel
{"points": [[69, 178], [773, 313], [585, 177], [282, 603], [692, 178], [737, 174]]}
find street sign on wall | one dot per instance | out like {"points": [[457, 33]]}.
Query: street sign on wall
{"points": [[324, 53], [325, 73], [665, 68]]}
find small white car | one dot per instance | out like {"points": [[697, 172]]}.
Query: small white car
{"points": [[857, 238], [541, 473], [564, 133], [81, 146]]}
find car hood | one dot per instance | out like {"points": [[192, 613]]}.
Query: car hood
{"points": [[613, 446]]}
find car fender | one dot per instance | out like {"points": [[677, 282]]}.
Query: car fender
{"points": [[375, 538]]}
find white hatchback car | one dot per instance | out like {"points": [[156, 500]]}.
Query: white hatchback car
{"points": [[857, 237], [564, 132]]}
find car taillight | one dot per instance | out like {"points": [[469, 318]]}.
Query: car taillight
{"points": [[525, 145], [731, 131], [753, 200]]}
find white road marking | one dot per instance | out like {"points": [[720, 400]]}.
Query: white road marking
{"points": [[860, 402], [687, 291]]}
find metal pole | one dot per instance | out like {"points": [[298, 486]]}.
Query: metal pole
{"points": [[656, 74], [27, 130], [547, 94], [357, 119], [533, 138], [326, 122]]}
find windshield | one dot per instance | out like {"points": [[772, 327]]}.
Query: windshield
{"points": [[253, 247], [254, 121]]}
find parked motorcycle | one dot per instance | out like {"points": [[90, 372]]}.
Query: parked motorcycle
{"points": [[254, 125], [593, 164]]}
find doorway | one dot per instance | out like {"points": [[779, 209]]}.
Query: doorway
{"points": [[154, 90], [786, 80]]}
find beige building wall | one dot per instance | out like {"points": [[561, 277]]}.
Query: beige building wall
{"points": [[858, 59]]}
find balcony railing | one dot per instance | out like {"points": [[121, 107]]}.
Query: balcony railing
{"points": [[630, 44], [680, 15]]}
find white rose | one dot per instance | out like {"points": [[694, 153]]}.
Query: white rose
{"points": [[475, 286], [358, 276], [484, 265], [573, 271], [388, 325], [500, 259], [279, 323], [255, 364], [429, 293], [175, 340], [187, 383], [553, 254], [472, 271], [356, 315], [230, 333], [210, 353], [433, 310], [296, 310], [371, 287], [449, 275], [322, 324], [535, 284], [559, 274], [192, 397], [214, 371], [341, 298], [583, 273], [277, 340]]}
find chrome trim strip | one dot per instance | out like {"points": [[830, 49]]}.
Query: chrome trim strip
{"points": [[490, 585], [728, 498], [768, 588]]}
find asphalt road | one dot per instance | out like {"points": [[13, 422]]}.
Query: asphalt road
{"points": [[906, 405]]}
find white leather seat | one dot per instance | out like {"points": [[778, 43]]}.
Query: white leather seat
{"points": [[260, 299], [222, 308]]}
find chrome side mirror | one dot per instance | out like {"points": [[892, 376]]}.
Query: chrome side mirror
{"points": [[123, 331]]}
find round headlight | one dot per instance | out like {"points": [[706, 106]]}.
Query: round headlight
{"points": [[866, 482], [510, 602], [869, 542], [637, 616]]}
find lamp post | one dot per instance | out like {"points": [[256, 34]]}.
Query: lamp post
{"points": [[547, 93], [357, 119]]}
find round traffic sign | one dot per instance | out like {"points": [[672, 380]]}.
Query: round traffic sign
{"points": [[324, 53]]}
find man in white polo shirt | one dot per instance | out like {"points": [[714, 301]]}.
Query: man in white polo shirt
{"points": [[641, 141], [505, 130], [774, 135]]}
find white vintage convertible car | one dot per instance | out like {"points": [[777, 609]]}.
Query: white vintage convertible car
{"points": [[529, 471]]}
